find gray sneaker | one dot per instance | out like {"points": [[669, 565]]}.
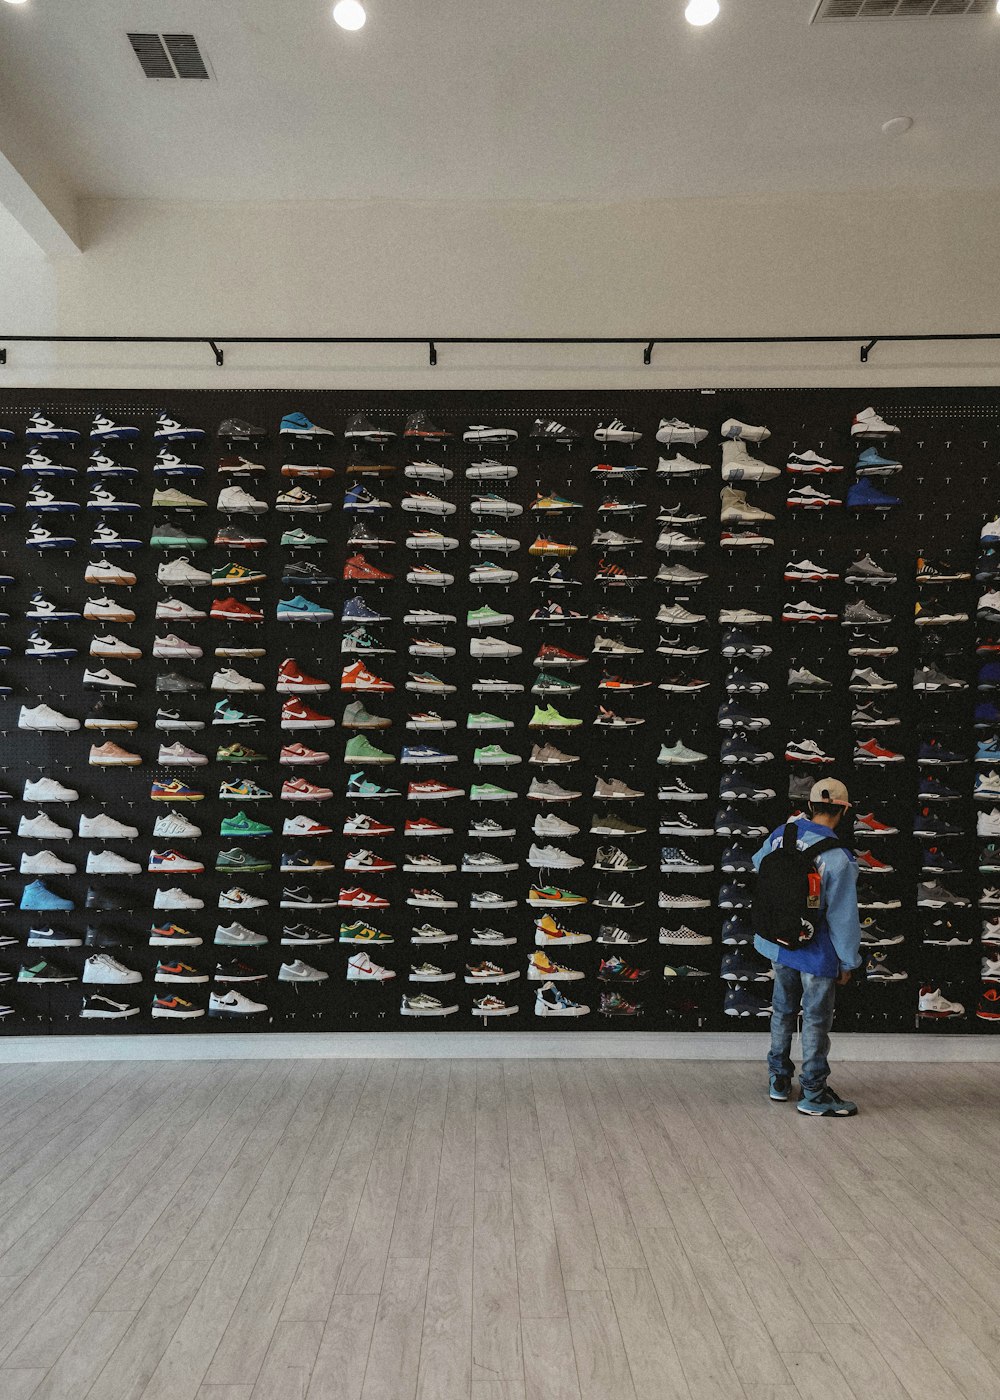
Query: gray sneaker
{"points": [[859, 612], [865, 570], [800, 678], [930, 678], [931, 894]]}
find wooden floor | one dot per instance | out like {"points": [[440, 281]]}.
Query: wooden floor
{"points": [[456, 1230]]}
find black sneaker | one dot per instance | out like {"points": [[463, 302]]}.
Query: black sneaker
{"points": [[304, 935], [106, 715], [548, 430], [300, 573], [108, 900], [97, 1006], [238, 430], [96, 937], [737, 860], [173, 683], [736, 933], [237, 971]]}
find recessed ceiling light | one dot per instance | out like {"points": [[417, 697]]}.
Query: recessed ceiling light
{"points": [[896, 126], [704, 11], [349, 14], [17, 2]]}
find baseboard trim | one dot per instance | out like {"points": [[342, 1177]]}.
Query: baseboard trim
{"points": [[509, 1045]]}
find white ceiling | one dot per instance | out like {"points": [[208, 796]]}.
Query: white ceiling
{"points": [[501, 99]]}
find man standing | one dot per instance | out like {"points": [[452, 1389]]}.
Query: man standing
{"points": [[807, 975]]}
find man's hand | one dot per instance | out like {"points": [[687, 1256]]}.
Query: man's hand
{"points": [[844, 977]]}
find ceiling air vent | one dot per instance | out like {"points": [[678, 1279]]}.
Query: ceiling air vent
{"points": [[169, 55], [900, 9]]}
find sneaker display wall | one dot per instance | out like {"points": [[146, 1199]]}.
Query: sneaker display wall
{"points": [[465, 691]]}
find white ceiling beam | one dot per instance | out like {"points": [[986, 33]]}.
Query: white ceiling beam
{"points": [[36, 196]]}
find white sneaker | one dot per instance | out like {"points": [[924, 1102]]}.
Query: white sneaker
{"points": [[182, 572], [616, 431], [732, 428], [739, 465], [491, 471], [935, 1006], [233, 1004], [174, 610], [232, 680], [173, 863], [45, 718], [493, 646], [304, 826], [105, 828], [743, 617], [110, 863], [988, 823], [234, 498], [867, 423], [107, 680], [236, 898], [102, 967], [553, 826], [110, 575], [552, 858], [175, 826], [299, 971], [674, 430], [177, 899], [178, 755], [45, 863], [171, 646], [43, 828], [106, 610], [681, 466], [360, 968], [426, 503], [48, 790], [114, 646]]}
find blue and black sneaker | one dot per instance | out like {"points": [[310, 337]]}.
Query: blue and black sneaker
{"points": [[987, 715], [779, 1087], [736, 932], [740, 750], [934, 753], [989, 676], [935, 861], [740, 1001], [934, 790], [741, 967], [864, 496], [736, 642], [824, 1103], [730, 822], [732, 715], [357, 610], [933, 825], [739, 787], [737, 860]]}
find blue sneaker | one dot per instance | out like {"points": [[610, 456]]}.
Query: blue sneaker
{"points": [[357, 610], [933, 861], [37, 895], [870, 463], [42, 648], [987, 715], [864, 496], [37, 464], [299, 609], [989, 676], [42, 610], [41, 500], [169, 430], [988, 751], [41, 429], [931, 752], [298, 425], [933, 825], [7, 436], [6, 473], [168, 464], [40, 538], [779, 1087], [740, 1001], [107, 430], [359, 498], [105, 536], [934, 790], [824, 1103], [102, 466]]}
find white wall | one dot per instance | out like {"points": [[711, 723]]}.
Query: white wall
{"points": [[821, 265]]}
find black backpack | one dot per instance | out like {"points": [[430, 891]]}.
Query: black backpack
{"points": [[786, 902]]}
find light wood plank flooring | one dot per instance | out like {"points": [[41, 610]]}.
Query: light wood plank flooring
{"points": [[521, 1230]]}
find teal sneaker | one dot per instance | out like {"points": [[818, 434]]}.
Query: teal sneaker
{"points": [[357, 717], [824, 1103], [679, 753], [360, 786], [301, 539], [780, 1087], [360, 749], [553, 685], [227, 713], [242, 825]]}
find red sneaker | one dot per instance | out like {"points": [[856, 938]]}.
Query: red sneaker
{"points": [[358, 677], [232, 610], [423, 826], [432, 789], [871, 751], [871, 864], [292, 678], [549, 655], [869, 825], [362, 825], [358, 570], [296, 715]]}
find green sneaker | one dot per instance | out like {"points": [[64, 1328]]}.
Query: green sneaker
{"points": [[359, 749], [679, 753], [490, 792], [493, 753], [488, 617], [172, 497], [167, 536], [360, 786], [227, 713], [301, 539], [482, 719], [357, 717], [238, 753], [548, 716], [360, 932], [242, 825], [242, 861], [547, 685]]}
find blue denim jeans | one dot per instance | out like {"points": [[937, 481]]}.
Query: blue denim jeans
{"points": [[816, 996]]}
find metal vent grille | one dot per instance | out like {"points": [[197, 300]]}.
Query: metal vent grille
{"points": [[169, 56], [900, 9]]}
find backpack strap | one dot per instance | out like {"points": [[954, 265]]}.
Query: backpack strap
{"points": [[828, 843], [790, 836]]}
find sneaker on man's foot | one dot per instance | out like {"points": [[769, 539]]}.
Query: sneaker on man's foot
{"points": [[779, 1088], [824, 1103]]}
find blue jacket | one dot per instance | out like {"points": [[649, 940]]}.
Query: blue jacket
{"points": [[837, 943]]}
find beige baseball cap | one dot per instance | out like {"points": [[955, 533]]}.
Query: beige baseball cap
{"points": [[830, 790]]}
